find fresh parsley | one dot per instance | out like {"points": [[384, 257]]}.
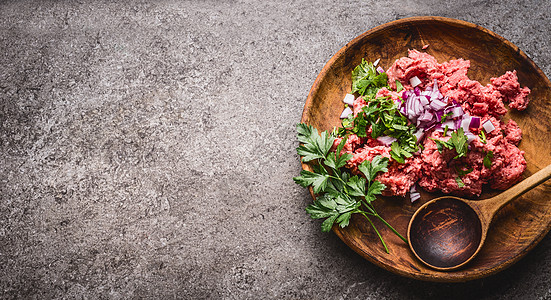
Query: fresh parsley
{"points": [[445, 116], [459, 182], [488, 159], [366, 81], [399, 86], [462, 173], [384, 118], [457, 142], [445, 131], [482, 137], [398, 153], [339, 194]]}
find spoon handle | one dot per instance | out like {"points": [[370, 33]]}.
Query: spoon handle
{"points": [[495, 203]]}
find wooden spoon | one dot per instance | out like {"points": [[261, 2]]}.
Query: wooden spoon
{"points": [[447, 232]]}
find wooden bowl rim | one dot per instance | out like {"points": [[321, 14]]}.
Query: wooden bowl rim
{"points": [[445, 276]]}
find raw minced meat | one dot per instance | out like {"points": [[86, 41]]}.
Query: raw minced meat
{"points": [[438, 171]]}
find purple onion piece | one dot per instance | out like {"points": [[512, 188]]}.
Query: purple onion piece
{"points": [[405, 95], [346, 112], [475, 122], [435, 85], [466, 122], [488, 126], [419, 134], [437, 104], [450, 124], [470, 137], [386, 140], [414, 196], [457, 112]]}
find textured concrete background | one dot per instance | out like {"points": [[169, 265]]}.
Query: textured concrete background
{"points": [[147, 149]]}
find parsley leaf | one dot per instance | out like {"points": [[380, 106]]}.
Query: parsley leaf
{"points": [[458, 141], [376, 188], [398, 153], [462, 173], [339, 195], [445, 116], [399, 86], [357, 186], [488, 159], [459, 182], [371, 168], [316, 180], [384, 118], [366, 81], [482, 137], [314, 146]]}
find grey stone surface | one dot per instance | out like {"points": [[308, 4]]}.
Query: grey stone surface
{"points": [[147, 149]]}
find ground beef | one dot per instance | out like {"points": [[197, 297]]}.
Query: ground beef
{"points": [[438, 171], [508, 86], [453, 81], [400, 177], [513, 134], [357, 106], [384, 92]]}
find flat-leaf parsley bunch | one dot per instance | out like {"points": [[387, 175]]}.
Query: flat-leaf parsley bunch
{"points": [[339, 194]]}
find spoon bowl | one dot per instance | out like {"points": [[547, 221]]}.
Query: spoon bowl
{"points": [[447, 232]]}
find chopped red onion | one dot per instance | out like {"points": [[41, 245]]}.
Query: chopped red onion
{"points": [[405, 95], [414, 196], [424, 100], [437, 104], [438, 114], [488, 126], [458, 122], [426, 116], [346, 112], [465, 123], [457, 112], [419, 134], [414, 81], [348, 99], [386, 140], [470, 137], [475, 122], [450, 124], [419, 108], [417, 91], [403, 110], [380, 70]]}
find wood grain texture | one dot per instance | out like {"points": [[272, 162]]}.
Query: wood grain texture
{"points": [[521, 224]]}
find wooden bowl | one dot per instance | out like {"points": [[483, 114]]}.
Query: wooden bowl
{"points": [[520, 225]]}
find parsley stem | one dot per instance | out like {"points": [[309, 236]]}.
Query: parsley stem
{"points": [[375, 214], [391, 228], [376, 231]]}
